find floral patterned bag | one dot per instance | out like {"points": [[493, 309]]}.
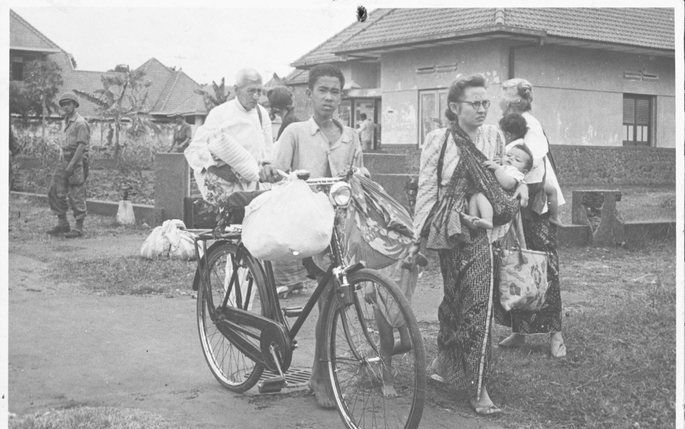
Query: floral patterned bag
{"points": [[522, 274]]}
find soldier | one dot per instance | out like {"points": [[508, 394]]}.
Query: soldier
{"points": [[68, 186]]}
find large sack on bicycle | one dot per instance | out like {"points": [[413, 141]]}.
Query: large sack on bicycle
{"points": [[288, 223], [378, 229]]}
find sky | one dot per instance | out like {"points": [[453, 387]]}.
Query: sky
{"points": [[207, 43]]}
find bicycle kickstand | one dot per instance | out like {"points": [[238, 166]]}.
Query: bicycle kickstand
{"points": [[273, 384]]}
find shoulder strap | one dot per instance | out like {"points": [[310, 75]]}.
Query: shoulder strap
{"points": [[441, 159], [259, 113]]}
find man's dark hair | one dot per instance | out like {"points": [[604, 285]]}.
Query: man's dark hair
{"points": [[514, 124], [362, 116], [325, 70], [526, 149]]}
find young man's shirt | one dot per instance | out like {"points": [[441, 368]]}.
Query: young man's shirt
{"points": [[303, 146]]}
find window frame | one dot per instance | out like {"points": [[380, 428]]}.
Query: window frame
{"points": [[437, 92], [634, 128]]}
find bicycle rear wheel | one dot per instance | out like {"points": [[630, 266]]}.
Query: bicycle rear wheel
{"points": [[235, 278], [361, 356]]}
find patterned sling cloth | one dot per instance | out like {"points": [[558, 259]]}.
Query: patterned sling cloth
{"points": [[443, 226], [378, 229]]}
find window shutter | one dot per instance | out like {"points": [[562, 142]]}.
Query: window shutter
{"points": [[642, 112], [628, 110]]}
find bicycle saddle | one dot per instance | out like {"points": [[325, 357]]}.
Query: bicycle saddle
{"points": [[241, 199]]}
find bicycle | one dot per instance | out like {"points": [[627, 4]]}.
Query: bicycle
{"points": [[244, 331]]}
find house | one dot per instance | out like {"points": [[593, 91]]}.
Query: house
{"points": [[602, 76], [171, 91]]}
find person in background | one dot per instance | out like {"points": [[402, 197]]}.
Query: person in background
{"points": [[68, 185], [289, 276], [326, 148], [540, 233], [366, 131], [281, 102], [231, 148], [183, 133], [514, 127]]}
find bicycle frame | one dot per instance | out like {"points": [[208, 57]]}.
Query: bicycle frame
{"points": [[274, 327]]}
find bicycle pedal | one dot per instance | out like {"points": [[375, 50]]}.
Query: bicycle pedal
{"points": [[271, 385], [292, 311]]}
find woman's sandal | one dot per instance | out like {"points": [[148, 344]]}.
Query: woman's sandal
{"points": [[485, 410]]}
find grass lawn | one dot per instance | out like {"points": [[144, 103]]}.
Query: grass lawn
{"points": [[92, 417]]}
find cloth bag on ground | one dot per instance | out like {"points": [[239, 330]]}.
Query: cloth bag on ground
{"points": [[288, 223], [378, 229], [523, 273], [169, 240]]}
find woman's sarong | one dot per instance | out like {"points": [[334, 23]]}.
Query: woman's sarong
{"points": [[542, 236], [466, 262], [465, 314]]}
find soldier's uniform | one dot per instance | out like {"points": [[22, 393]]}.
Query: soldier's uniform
{"points": [[70, 189]]}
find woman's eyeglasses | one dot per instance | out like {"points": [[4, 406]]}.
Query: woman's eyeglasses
{"points": [[485, 104]]}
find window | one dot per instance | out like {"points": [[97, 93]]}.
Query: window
{"points": [[17, 69], [432, 105], [638, 120]]}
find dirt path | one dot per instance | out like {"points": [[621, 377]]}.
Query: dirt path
{"points": [[69, 348]]}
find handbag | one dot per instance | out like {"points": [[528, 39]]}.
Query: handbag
{"points": [[522, 274]]}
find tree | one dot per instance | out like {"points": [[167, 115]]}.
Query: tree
{"points": [[42, 82], [219, 95], [122, 98]]}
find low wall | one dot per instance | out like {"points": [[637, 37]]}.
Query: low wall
{"points": [[589, 165], [143, 213]]}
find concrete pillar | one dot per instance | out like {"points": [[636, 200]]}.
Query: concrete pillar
{"points": [[607, 225], [172, 184]]}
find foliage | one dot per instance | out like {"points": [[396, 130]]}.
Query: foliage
{"points": [[21, 103], [42, 82], [218, 95], [123, 98], [36, 95]]}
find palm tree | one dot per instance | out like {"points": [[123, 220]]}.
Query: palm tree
{"points": [[219, 94], [123, 98]]}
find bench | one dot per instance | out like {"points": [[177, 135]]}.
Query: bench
{"points": [[597, 208]]}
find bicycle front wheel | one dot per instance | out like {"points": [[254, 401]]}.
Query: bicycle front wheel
{"points": [[376, 360], [233, 277]]}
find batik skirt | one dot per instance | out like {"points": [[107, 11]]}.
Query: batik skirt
{"points": [[465, 314]]}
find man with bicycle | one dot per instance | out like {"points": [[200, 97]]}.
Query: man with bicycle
{"points": [[326, 148]]}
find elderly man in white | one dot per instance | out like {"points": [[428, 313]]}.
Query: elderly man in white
{"points": [[229, 151]]}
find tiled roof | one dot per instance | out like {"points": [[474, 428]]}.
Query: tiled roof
{"points": [[171, 91], [179, 96], [86, 81], [324, 53], [297, 77], [644, 27], [25, 36]]}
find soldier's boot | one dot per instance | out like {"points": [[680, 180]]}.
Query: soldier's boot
{"points": [[77, 231], [61, 227]]}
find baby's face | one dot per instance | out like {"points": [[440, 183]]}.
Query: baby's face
{"points": [[517, 158]]}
